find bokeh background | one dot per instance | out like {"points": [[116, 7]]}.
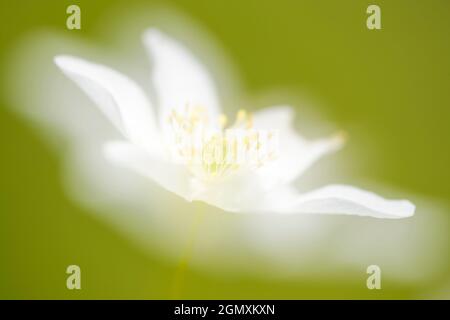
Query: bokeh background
{"points": [[388, 89]]}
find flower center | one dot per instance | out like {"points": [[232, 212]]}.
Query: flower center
{"points": [[214, 150]]}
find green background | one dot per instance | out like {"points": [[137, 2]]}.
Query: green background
{"points": [[390, 86]]}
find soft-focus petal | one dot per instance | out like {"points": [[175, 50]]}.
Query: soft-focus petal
{"points": [[172, 177], [237, 193], [296, 154], [339, 199], [121, 100], [178, 77]]}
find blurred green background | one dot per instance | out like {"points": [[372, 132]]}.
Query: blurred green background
{"points": [[391, 87]]}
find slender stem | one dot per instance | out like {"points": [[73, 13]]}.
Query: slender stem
{"points": [[180, 272]]}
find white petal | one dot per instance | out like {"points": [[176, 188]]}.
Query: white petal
{"points": [[120, 99], [237, 193], [172, 177], [296, 154], [341, 199], [178, 77]]}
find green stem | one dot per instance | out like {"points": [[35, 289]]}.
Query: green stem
{"points": [[180, 272]]}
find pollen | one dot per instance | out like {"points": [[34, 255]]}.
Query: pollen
{"points": [[213, 150]]}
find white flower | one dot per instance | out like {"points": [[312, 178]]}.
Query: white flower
{"points": [[188, 104]]}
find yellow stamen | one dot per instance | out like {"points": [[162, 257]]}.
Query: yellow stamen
{"points": [[217, 153]]}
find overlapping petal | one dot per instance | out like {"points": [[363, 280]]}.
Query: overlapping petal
{"points": [[172, 177], [118, 97], [336, 199], [179, 79], [296, 153]]}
